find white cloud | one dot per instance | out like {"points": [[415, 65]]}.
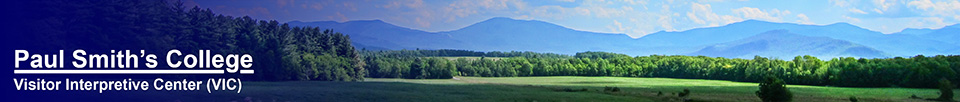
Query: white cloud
{"points": [[464, 8], [922, 4], [755, 13], [666, 22], [453, 11], [936, 21], [568, 0], [317, 6], [421, 23], [491, 4], [415, 4], [851, 19], [703, 14], [944, 8], [803, 19], [727, 19], [601, 9], [422, 14], [616, 27], [883, 4], [634, 2], [552, 11], [620, 16], [583, 11], [855, 10], [926, 22], [840, 3], [878, 11], [556, 12], [877, 8], [282, 3], [609, 12], [711, 0], [523, 17], [702, 9]]}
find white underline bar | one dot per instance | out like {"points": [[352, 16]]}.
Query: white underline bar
{"points": [[246, 71], [220, 71]]}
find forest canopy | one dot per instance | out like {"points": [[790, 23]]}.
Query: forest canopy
{"points": [[282, 52], [311, 53], [918, 71]]}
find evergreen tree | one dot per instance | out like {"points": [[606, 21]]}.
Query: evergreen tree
{"points": [[773, 89]]}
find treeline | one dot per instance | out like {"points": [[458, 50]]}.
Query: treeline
{"points": [[603, 55], [425, 64], [918, 71], [456, 53], [281, 52]]}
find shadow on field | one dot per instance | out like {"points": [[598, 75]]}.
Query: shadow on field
{"points": [[594, 82], [731, 94], [437, 91], [299, 91]]}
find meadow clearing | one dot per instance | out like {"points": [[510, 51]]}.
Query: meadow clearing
{"points": [[520, 89]]}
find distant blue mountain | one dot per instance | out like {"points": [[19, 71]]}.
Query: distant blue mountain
{"points": [[505, 34], [496, 34], [785, 45], [915, 31], [895, 44], [948, 34], [376, 34]]}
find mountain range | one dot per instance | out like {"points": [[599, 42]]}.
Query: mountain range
{"points": [[784, 44], [736, 40]]}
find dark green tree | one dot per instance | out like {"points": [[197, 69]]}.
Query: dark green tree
{"points": [[772, 89], [946, 90]]}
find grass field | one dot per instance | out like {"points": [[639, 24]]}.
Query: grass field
{"points": [[517, 89], [711, 90]]}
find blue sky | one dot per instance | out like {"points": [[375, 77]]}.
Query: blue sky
{"points": [[632, 17]]}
